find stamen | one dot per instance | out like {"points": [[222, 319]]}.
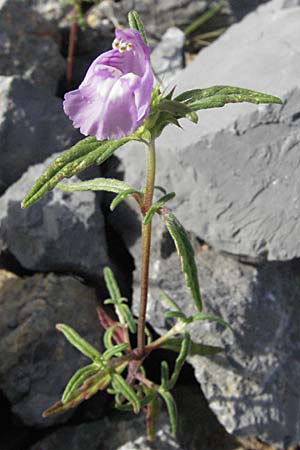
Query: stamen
{"points": [[129, 46], [115, 44], [122, 47]]}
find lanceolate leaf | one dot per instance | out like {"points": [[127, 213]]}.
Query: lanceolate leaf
{"points": [[83, 154], [123, 388], [217, 96], [121, 197], [79, 377], [177, 109], [135, 22], [152, 210], [172, 409], [181, 358], [89, 388], [212, 318], [174, 345], [112, 285], [77, 341], [97, 184], [186, 252]]}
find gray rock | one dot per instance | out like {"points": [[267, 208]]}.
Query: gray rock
{"points": [[159, 16], [197, 430], [63, 232], [29, 45], [32, 127], [228, 170], [36, 360], [291, 3], [167, 57], [109, 435], [251, 386]]}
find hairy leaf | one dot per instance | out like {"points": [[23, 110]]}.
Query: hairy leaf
{"points": [[97, 184], [77, 379], [121, 196], [126, 390], [89, 388], [174, 345], [112, 285], [86, 152], [181, 358], [212, 318], [218, 96], [164, 370], [152, 210], [177, 109], [136, 23], [172, 409], [170, 301], [186, 252], [77, 341], [115, 350]]}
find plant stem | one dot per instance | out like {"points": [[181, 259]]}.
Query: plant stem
{"points": [[146, 242], [71, 48]]}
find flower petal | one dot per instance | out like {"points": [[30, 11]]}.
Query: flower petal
{"points": [[114, 97]]}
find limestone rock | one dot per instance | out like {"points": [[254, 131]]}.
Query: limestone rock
{"points": [[235, 173], [167, 57], [63, 232], [29, 45], [36, 360], [251, 387], [32, 127]]}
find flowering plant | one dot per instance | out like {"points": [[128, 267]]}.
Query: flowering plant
{"points": [[117, 102]]}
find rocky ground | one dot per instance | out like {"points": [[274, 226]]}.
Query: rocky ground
{"points": [[237, 184]]}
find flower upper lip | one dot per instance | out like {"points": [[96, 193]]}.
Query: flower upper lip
{"points": [[114, 97]]}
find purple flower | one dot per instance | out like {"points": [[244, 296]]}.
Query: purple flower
{"points": [[114, 97]]}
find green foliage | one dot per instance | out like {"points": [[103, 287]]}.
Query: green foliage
{"points": [[218, 96], [86, 152], [122, 195], [77, 341], [77, 379], [186, 252], [153, 209], [135, 22], [174, 345], [97, 184]]}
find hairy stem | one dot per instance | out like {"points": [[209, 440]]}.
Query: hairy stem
{"points": [[146, 242]]}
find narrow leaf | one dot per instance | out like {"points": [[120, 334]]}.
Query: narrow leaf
{"points": [[89, 388], [152, 210], [180, 360], [164, 369], [77, 341], [136, 23], [108, 335], [121, 386], [186, 252], [195, 24], [153, 410], [218, 96], [170, 301], [174, 345], [112, 285], [121, 197], [212, 318], [115, 350], [83, 154], [128, 317], [78, 378], [176, 108], [175, 314], [97, 184], [172, 409]]}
